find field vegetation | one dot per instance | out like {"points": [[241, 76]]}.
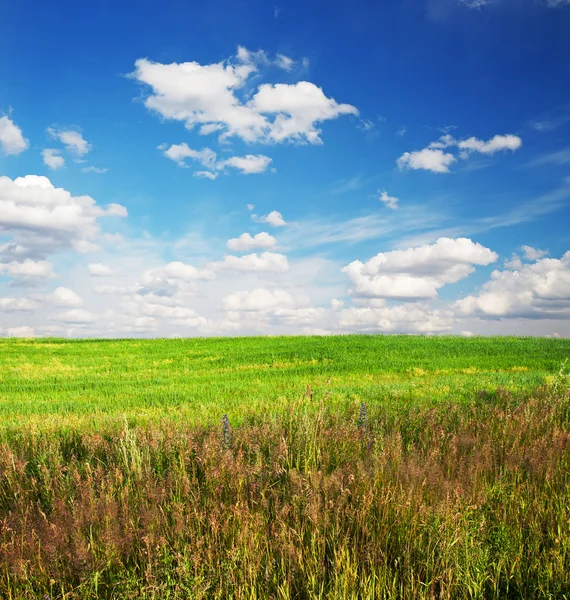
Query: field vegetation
{"points": [[348, 467]]}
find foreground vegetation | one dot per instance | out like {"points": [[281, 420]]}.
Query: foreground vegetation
{"points": [[408, 472], [459, 501]]}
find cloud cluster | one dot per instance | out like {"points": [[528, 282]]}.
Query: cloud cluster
{"points": [[434, 158], [539, 290], [214, 99], [417, 273], [247, 165], [39, 219], [246, 242]]}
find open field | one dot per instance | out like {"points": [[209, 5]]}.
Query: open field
{"points": [[52, 383], [409, 468]]}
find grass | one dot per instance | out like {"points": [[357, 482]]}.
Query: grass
{"points": [[88, 384], [425, 468]]}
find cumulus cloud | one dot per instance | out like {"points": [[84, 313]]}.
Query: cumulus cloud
{"points": [[403, 318], [174, 277], [497, 143], [210, 97], [531, 253], [274, 218], [40, 218], [17, 305], [537, 290], [433, 158], [266, 262], [99, 270], [72, 140], [28, 269], [24, 331], [11, 139], [75, 316], [180, 152], [259, 299], [249, 164], [246, 242], [428, 159], [53, 159], [389, 201], [417, 273], [63, 296]]}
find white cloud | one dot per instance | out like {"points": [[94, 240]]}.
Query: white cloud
{"points": [[497, 143], [284, 62], [537, 290], [63, 296], [53, 159], [97, 170], [22, 332], [99, 270], [208, 96], [419, 272], [11, 139], [514, 262], [42, 219], [258, 300], [246, 242], [75, 316], [250, 206], [266, 262], [336, 304], [17, 305], [556, 3], [72, 140], [531, 253], [366, 125], [389, 201], [433, 158], [249, 164], [274, 218], [474, 3], [428, 159], [28, 269], [403, 318], [401, 131], [173, 278], [179, 152], [298, 108], [206, 175], [208, 158]]}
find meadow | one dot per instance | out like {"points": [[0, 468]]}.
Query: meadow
{"points": [[349, 467]]}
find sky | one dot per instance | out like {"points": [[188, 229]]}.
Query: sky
{"points": [[254, 168]]}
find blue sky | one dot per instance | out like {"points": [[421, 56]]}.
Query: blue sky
{"points": [[251, 167]]}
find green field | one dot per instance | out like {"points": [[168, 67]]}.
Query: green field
{"points": [[355, 467], [86, 383]]}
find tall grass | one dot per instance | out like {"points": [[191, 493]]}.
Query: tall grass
{"points": [[461, 500]]}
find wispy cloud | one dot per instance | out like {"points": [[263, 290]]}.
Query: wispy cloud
{"points": [[553, 119], [523, 213], [560, 157], [382, 226]]}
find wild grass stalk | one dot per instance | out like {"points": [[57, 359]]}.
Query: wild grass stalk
{"points": [[466, 500]]}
